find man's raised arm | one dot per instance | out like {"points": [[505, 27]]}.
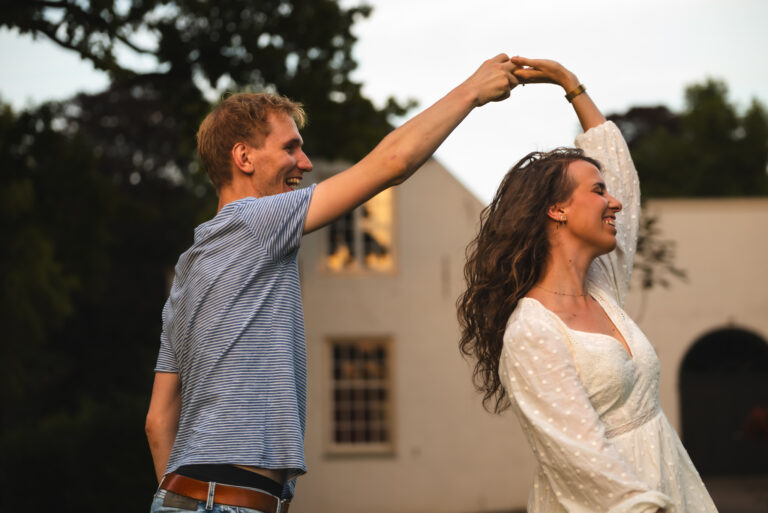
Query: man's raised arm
{"points": [[405, 149]]}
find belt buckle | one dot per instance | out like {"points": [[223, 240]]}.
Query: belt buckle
{"points": [[280, 503]]}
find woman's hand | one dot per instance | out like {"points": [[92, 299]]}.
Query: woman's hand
{"points": [[543, 71]]}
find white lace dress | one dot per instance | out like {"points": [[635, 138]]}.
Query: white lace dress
{"points": [[591, 411]]}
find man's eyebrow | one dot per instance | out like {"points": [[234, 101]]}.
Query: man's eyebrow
{"points": [[295, 141]]}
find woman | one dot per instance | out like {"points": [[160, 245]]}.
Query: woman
{"points": [[542, 315]]}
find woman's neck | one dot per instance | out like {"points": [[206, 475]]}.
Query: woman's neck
{"points": [[565, 273]]}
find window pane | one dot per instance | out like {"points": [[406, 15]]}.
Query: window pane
{"points": [[341, 243], [377, 232], [360, 393], [362, 239]]}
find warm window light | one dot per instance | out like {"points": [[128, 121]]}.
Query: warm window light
{"points": [[362, 239]]}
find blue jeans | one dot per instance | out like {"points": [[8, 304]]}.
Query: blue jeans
{"points": [[157, 507]]}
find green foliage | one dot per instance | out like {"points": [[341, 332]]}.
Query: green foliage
{"points": [[707, 150], [100, 194], [84, 265], [42, 273], [300, 48], [655, 256]]}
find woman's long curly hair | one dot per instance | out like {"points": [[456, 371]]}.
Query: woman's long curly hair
{"points": [[506, 259]]}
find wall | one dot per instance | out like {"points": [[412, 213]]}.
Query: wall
{"points": [[450, 455], [722, 244]]}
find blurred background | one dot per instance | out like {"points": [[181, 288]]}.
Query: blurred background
{"points": [[100, 190]]}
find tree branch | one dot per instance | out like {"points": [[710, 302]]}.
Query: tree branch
{"points": [[51, 4], [85, 19], [99, 62], [132, 46]]}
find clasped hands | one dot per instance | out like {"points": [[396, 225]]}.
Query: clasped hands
{"points": [[498, 76]]}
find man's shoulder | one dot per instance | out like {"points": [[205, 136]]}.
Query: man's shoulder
{"points": [[267, 208]]}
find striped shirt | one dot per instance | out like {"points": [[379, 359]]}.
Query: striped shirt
{"points": [[233, 329]]}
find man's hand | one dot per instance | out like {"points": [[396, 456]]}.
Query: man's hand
{"points": [[543, 71], [493, 81]]}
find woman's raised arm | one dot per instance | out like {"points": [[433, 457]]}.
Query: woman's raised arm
{"points": [[603, 142], [543, 71]]}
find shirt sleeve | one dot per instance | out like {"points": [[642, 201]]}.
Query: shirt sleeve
{"points": [[604, 143], [584, 469], [277, 221], [166, 358]]}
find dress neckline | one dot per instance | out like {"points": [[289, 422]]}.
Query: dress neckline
{"points": [[596, 296]]}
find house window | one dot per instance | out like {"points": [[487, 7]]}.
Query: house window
{"points": [[361, 410], [362, 238]]}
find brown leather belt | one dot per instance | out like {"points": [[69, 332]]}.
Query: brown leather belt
{"points": [[211, 493]]}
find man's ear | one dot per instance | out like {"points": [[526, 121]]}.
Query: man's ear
{"points": [[557, 213], [241, 158]]}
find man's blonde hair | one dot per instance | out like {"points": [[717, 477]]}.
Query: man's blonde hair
{"points": [[242, 117]]}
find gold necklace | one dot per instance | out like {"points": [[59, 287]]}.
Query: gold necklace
{"points": [[560, 293]]}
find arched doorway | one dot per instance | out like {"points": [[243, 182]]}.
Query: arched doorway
{"points": [[724, 403]]}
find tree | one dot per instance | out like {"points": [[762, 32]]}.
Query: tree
{"points": [[100, 194], [276, 45], [708, 149]]}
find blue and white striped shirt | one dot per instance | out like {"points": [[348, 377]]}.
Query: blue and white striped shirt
{"points": [[233, 329]]}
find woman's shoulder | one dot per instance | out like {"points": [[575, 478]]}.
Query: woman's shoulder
{"points": [[525, 306], [534, 337], [530, 320]]}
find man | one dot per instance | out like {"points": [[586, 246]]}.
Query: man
{"points": [[226, 419]]}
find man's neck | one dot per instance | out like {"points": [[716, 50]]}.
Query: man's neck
{"points": [[232, 192]]}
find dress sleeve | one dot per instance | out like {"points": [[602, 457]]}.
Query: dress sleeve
{"points": [[604, 143], [583, 468]]}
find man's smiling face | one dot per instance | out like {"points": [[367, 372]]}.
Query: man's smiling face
{"points": [[279, 163]]}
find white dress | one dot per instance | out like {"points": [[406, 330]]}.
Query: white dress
{"points": [[591, 411]]}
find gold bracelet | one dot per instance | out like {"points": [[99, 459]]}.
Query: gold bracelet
{"points": [[573, 94]]}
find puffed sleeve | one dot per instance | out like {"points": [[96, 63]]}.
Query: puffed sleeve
{"points": [[582, 466], [604, 143]]}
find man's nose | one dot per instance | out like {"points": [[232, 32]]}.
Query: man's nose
{"points": [[304, 163]]}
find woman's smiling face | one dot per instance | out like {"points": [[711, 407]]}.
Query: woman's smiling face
{"points": [[590, 212]]}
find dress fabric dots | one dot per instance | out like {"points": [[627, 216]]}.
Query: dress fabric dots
{"points": [[590, 409]]}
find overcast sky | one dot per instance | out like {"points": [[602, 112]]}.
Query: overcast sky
{"points": [[626, 53]]}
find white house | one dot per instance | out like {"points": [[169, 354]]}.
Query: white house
{"points": [[394, 424]]}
